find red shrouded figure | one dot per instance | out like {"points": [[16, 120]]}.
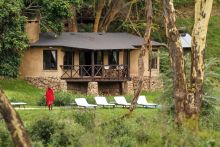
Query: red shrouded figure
{"points": [[49, 97]]}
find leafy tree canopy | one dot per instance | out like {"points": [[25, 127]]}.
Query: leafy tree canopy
{"points": [[13, 39]]}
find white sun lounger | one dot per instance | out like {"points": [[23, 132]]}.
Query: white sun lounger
{"points": [[120, 100], [143, 101], [82, 102], [19, 104], [101, 100]]}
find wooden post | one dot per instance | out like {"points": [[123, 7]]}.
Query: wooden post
{"points": [[93, 65], [128, 64]]}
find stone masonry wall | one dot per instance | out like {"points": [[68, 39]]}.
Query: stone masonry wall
{"points": [[110, 88], [43, 82], [93, 88], [156, 83]]}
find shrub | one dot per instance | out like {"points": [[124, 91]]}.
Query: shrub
{"points": [[42, 101], [9, 64], [5, 139], [85, 118], [61, 99], [67, 135], [43, 129]]}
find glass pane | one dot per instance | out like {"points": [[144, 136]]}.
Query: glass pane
{"points": [[50, 59], [99, 57], [113, 58], [154, 60]]}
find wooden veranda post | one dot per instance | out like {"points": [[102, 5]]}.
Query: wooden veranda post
{"points": [[93, 63]]}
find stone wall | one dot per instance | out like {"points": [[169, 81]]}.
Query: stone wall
{"points": [[156, 83], [93, 88], [43, 82], [110, 88], [128, 87], [78, 87]]}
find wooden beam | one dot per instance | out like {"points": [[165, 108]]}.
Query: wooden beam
{"points": [[93, 63], [128, 60]]}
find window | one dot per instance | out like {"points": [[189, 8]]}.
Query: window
{"points": [[99, 57], [113, 58], [50, 59], [154, 59], [68, 59]]}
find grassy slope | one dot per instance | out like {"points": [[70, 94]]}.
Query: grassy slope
{"points": [[19, 90], [156, 126]]}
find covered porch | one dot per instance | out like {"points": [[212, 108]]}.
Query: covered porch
{"points": [[96, 65]]}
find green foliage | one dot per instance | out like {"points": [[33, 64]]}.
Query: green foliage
{"points": [[10, 62], [53, 13], [67, 135], [12, 37], [43, 129], [85, 118], [5, 139], [181, 3], [63, 98]]}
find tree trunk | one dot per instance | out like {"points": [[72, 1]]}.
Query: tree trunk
{"points": [[14, 123], [101, 4], [72, 21], [202, 15], [177, 60], [145, 46], [115, 7], [149, 68]]}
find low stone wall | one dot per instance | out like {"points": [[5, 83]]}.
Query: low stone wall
{"points": [[156, 83], [43, 82], [110, 88], [78, 87], [93, 88]]}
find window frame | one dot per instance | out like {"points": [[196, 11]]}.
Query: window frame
{"points": [[110, 54], [56, 64], [72, 59], [153, 66]]}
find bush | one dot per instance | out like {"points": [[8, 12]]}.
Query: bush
{"points": [[61, 99], [9, 64], [67, 135], [42, 101], [5, 139], [42, 130], [85, 118]]}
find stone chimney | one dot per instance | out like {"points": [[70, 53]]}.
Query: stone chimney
{"points": [[32, 28]]}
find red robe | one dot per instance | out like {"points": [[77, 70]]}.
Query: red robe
{"points": [[49, 96]]}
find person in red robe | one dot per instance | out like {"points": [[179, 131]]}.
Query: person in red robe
{"points": [[49, 97]]}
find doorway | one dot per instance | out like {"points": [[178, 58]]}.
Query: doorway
{"points": [[85, 62]]}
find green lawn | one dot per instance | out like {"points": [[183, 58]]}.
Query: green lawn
{"points": [[20, 90], [103, 127], [145, 127]]}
